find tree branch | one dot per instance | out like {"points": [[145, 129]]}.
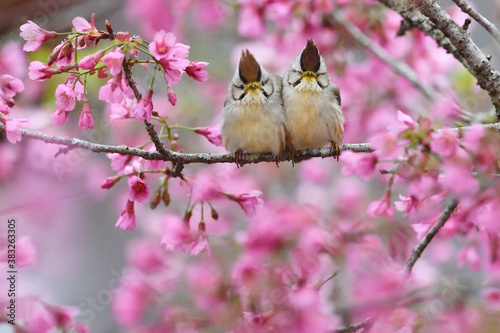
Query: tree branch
{"points": [[417, 250], [354, 328], [149, 127], [399, 67], [466, 51], [182, 158], [487, 25], [487, 77], [412, 20]]}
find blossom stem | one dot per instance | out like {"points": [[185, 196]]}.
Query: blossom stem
{"points": [[334, 274]]}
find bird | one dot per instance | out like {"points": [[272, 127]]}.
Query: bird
{"points": [[253, 119], [312, 103]]}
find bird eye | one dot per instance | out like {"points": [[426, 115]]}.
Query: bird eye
{"points": [[267, 88], [238, 92], [294, 78], [322, 80]]}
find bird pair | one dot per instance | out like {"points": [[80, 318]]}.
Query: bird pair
{"points": [[265, 113]]}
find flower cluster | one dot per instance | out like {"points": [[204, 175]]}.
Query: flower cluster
{"points": [[125, 51]]}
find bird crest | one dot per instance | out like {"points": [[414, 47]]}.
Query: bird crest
{"points": [[309, 59], [249, 68]]}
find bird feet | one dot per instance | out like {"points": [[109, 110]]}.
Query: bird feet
{"points": [[335, 150], [237, 157]]}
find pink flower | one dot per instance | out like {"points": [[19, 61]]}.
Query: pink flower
{"points": [[4, 108], [196, 71], [144, 107], [63, 54], [116, 90], [122, 110], [172, 98], [65, 97], [90, 61], [25, 252], [250, 202], [445, 142], [405, 122], [358, 163], [473, 138], [13, 129], [127, 217], [130, 300], [118, 161], [60, 117], [164, 46], [40, 71], [405, 204], [251, 22], [458, 179], [109, 182], [469, 256], [138, 189], [422, 187], [155, 165], [173, 68], [381, 207], [35, 36], [200, 243], [81, 24], [212, 133], [384, 145], [86, 120], [40, 320], [113, 61], [176, 235], [146, 255], [77, 86], [10, 86], [205, 187]]}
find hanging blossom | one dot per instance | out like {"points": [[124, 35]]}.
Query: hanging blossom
{"points": [[35, 36]]}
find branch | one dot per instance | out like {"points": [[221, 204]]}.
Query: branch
{"points": [[399, 67], [149, 127], [487, 77], [182, 158], [487, 25], [422, 23], [466, 51], [354, 328], [417, 250]]}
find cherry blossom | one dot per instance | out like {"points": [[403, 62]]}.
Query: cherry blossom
{"points": [[35, 36]]}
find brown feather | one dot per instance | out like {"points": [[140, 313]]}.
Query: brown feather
{"points": [[249, 68], [309, 59]]}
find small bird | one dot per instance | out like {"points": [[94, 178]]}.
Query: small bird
{"points": [[312, 103], [253, 119]]}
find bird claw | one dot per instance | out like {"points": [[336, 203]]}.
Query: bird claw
{"points": [[335, 150], [237, 157]]}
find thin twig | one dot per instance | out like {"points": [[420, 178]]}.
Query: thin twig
{"points": [[417, 250], [149, 127], [354, 328], [487, 25], [399, 67]]}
